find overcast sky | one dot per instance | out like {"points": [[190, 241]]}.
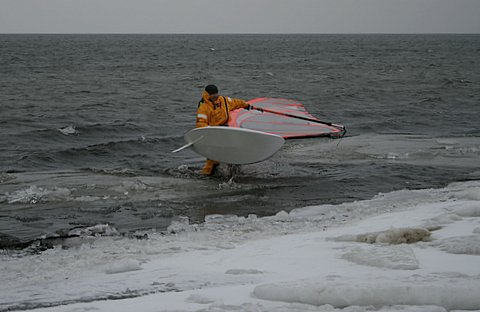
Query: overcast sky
{"points": [[239, 16]]}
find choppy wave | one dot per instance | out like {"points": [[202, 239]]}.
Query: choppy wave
{"points": [[75, 153]]}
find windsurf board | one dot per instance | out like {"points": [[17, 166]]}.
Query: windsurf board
{"points": [[233, 145]]}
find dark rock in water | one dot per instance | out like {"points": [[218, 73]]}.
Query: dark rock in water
{"points": [[11, 242]]}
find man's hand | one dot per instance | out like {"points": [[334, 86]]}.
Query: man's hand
{"points": [[250, 107]]}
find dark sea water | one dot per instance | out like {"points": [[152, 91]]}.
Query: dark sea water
{"points": [[88, 123]]}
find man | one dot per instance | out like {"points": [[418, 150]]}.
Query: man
{"points": [[214, 110]]}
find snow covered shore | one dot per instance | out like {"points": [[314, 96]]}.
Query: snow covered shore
{"points": [[401, 251]]}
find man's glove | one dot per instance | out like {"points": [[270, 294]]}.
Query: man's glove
{"points": [[250, 107]]}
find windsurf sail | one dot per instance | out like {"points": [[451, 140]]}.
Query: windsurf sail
{"points": [[286, 118]]}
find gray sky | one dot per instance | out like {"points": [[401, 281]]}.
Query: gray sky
{"points": [[240, 16]]}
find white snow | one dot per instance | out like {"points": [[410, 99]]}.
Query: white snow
{"points": [[402, 251]]}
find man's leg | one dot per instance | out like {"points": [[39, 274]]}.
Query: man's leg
{"points": [[209, 167]]}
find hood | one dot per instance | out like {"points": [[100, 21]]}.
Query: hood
{"points": [[206, 96]]}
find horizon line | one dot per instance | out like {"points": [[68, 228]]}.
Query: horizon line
{"points": [[240, 33]]}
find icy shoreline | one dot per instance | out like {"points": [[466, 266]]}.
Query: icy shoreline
{"points": [[401, 251]]}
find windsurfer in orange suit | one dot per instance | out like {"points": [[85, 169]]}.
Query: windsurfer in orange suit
{"points": [[214, 110]]}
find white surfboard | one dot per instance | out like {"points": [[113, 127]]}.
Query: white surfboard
{"points": [[233, 145]]}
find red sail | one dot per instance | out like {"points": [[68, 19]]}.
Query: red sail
{"points": [[286, 118]]}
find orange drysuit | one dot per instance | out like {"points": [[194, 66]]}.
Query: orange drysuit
{"points": [[216, 113]]}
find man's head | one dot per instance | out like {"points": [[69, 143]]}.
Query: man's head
{"points": [[212, 90]]}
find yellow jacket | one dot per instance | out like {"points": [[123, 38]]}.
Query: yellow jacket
{"points": [[216, 113]]}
